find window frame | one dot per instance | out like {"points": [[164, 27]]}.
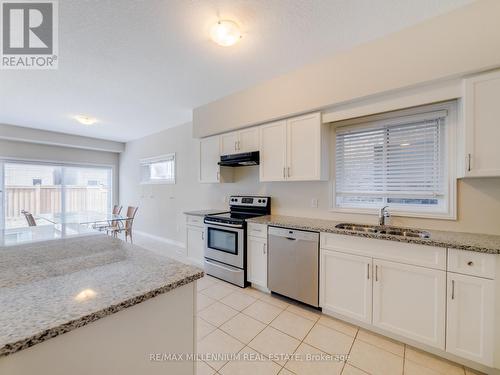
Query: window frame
{"points": [[158, 159], [450, 131]]}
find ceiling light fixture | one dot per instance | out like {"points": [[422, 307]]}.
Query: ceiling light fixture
{"points": [[225, 33], [85, 120]]}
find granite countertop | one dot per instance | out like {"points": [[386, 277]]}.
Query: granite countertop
{"points": [[204, 212], [49, 288], [483, 243]]}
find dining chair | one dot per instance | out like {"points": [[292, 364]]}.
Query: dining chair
{"points": [[126, 228], [111, 223], [29, 218]]}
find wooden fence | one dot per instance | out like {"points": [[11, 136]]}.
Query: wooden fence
{"points": [[47, 199]]}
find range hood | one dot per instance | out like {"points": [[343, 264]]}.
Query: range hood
{"points": [[240, 160]]}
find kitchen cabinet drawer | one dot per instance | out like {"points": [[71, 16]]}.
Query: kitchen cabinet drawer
{"points": [[257, 230], [194, 220], [418, 255], [472, 263]]}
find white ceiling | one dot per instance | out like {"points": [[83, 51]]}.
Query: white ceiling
{"points": [[142, 66]]}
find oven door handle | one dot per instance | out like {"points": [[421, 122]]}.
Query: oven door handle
{"points": [[224, 224]]}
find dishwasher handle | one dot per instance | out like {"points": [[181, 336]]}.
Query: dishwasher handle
{"points": [[293, 234]]}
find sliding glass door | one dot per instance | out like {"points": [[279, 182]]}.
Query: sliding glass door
{"points": [[51, 190], [87, 189]]}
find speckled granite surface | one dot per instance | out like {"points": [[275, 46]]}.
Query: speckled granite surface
{"points": [[49, 288], [204, 212], [483, 243]]}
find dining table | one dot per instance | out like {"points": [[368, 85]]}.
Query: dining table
{"points": [[82, 217]]}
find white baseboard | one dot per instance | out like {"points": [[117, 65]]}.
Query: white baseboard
{"points": [[161, 239]]}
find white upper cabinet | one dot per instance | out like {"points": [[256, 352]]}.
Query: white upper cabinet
{"points": [[273, 151], [304, 148], [470, 318], [229, 143], [295, 149], [246, 140], [482, 126], [209, 170]]}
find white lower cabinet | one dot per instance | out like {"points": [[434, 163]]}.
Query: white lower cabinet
{"points": [[195, 243], [443, 298], [410, 301], [346, 284], [257, 261], [470, 318]]}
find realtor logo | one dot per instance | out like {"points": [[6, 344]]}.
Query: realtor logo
{"points": [[29, 34]]}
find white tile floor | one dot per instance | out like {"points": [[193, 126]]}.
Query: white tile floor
{"points": [[263, 329]]}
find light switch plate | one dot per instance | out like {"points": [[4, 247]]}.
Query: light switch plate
{"points": [[314, 203]]}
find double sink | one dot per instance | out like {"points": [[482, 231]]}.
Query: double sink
{"points": [[383, 229]]}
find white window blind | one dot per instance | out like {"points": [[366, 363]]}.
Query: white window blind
{"points": [[398, 162], [159, 170]]}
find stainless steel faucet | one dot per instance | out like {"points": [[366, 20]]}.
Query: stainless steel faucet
{"points": [[383, 215]]}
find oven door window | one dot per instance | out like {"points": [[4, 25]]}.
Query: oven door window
{"points": [[223, 240]]}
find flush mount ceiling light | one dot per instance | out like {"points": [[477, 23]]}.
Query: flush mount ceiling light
{"points": [[225, 33], [85, 120]]}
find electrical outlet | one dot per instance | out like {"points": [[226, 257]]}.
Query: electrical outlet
{"points": [[314, 203]]}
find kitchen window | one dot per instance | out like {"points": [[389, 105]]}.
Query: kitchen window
{"points": [[158, 170], [402, 160]]}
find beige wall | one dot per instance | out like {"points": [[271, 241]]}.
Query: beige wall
{"points": [[460, 42], [32, 151], [161, 206]]}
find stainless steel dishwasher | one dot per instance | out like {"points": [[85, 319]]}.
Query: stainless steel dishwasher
{"points": [[294, 264]]}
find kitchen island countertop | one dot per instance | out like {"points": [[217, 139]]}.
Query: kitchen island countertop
{"points": [[52, 287]]}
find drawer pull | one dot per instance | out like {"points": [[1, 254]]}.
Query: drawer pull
{"points": [[452, 289], [470, 263]]}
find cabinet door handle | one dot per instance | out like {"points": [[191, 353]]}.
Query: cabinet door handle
{"points": [[235, 146], [284, 173], [376, 273], [469, 156], [264, 249], [368, 271], [288, 171], [203, 235], [452, 289], [239, 145]]}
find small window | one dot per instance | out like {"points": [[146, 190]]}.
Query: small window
{"points": [[400, 161], [158, 170]]}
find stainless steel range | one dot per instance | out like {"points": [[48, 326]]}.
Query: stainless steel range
{"points": [[225, 243]]}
